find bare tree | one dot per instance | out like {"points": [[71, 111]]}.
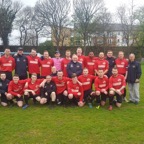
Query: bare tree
{"points": [[103, 26], [23, 24], [29, 26], [84, 13], [139, 34], [55, 14], [127, 19], [8, 11]]}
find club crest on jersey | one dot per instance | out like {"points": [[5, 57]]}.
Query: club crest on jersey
{"points": [[71, 65], [18, 59], [133, 66], [10, 61], [103, 62]]}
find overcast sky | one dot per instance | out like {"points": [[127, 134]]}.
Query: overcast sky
{"points": [[110, 4]]}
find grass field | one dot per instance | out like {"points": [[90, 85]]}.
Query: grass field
{"points": [[40, 125]]}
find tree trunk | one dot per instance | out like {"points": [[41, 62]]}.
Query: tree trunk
{"points": [[5, 39]]}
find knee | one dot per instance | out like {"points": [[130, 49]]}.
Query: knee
{"points": [[111, 92], [26, 93], [97, 93], [9, 96], [43, 101], [70, 96], [20, 104], [80, 104], [65, 93], [38, 98]]}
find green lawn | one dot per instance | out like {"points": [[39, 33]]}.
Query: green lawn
{"points": [[40, 125]]}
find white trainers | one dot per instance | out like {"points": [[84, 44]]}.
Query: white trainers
{"points": [[125, 99]]}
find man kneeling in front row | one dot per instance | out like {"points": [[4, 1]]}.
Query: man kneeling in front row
{"points": [[75, 91], [48, 92], [16, 90], [32, 90], [117, 85]]}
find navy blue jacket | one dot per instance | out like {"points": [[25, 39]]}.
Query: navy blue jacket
{"points": [[21, 65], [134, 71], [111, 62], [74, 68], [4, 86]]}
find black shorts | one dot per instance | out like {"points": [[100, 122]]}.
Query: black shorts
{"points": [[87, 92], [3, 98], [47, 96], [103, 97], [18, 98], [119, 98], [32, 96]]}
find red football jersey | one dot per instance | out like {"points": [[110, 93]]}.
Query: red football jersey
{"points": [[122, 65], [86, 81], [46, 66], [101, 64], [61, 84], [117, 82], [7, 63], [34, 64], [18, 88], [64, 63], [75, 89], [81, 59], [101, 83], [35, 86], [90, 64]]}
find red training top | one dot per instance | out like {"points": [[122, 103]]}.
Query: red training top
{"points": [[101, 83], [7, 63], [90, 64], [46, 66], [35, 86], [34, 64], [64, 63], [122, 65], [75, 89], [18, 88], [117, 82], [61, 84], [101, 64], [86, 81]]}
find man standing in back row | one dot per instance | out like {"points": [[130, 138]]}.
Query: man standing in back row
{"points": [[134, 74], [122, 65], [21, 63], [34, 63], [7, 64]]}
